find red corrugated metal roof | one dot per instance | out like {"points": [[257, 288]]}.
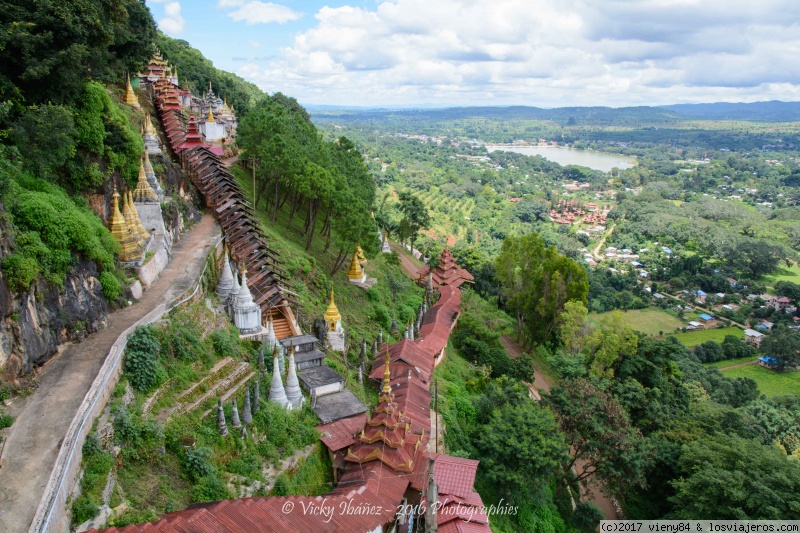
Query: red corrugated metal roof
{"points": [[341, 433], [454, 475]]}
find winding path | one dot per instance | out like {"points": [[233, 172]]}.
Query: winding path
{"points": [[596, 251], [42, 419]]}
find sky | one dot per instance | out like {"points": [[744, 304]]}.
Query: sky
{"points": [[544, 53]]}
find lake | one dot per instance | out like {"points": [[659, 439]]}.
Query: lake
{"points": [[570, 156]]}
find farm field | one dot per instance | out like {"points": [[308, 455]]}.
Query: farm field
{"points": [[693, 338], [769, 382], [650, 321]]}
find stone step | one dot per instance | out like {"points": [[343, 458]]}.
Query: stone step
{"points": [[233, 390], [215, 369], [221, 386]]}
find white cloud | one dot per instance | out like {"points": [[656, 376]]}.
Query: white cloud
{"points": [[539, 52], [255, 12], [172, 22]]}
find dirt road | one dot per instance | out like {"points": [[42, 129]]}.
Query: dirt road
{"points": [[42, 419], [406, 262]]}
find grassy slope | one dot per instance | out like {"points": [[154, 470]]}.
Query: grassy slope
{"points": [[313, 287], [693, 338], [722, 365], [769, 382], [782, 274], [650, 321]]}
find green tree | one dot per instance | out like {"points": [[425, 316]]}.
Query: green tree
{"points": [[607, 344], [726, 477], [49, 48], [537, 282], [574, 327], [519, 448], [604, 446], [415, 214], [783, 346]]}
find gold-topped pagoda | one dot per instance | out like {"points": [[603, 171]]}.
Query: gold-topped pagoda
{"points": [[210, 117], [136, 220], [355, 274], [332, 317], [149, 129], [361, 257], [122, 233], [130, 96], [143, 192], [127, 214]]}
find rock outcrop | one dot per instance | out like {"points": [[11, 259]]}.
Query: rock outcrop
{"points": [[36, 322]]}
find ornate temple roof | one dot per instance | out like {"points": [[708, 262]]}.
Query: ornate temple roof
{"points": [[447, 273]]}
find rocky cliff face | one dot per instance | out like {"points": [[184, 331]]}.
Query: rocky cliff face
{"points": [[37, 321]]}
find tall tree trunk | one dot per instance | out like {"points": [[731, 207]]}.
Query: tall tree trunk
{"points": [[519, 328], [276, 198], [294, 208], [327, 234], [339, 261], [262, 186], [313, 225]]}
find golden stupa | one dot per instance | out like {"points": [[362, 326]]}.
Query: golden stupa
{"points": [[130, 96], [361, 257], [139, 226], [130, 220], [149, 129], [355, 273], [143, 192], [332, 315], [210, 117], [122, 233]]}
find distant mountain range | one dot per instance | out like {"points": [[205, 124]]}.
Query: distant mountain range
{"points": [[774, 111]]}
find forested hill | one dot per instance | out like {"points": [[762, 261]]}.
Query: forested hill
{"points": [[565, 115], [774, 111], [197, 71]]}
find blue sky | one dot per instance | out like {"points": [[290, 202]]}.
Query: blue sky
{"points": [[544, 53]]}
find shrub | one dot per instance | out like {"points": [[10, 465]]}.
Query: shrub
{"points": [[198, 463], [587, 517], [112, 288], [83, 509], [281, 487], [21, 271], [6, 420], [209, 489], [141, 359]]}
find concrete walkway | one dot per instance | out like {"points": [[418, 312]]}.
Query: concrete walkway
{"points": [[42, 419]]}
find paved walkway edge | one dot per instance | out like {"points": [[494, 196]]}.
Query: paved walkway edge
{"points": [[51, 515]]}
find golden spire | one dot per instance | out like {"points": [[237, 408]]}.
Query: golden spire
{"points": [[210, 117], [355, 273], [121, 232], [130, 96], [387, 388], [332, 314], [148, 167], [143, 192], [361, 257], [139, 226], [127, 213], [149, 129]]}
